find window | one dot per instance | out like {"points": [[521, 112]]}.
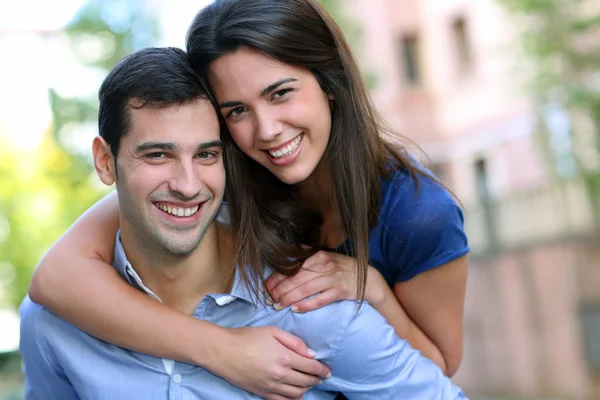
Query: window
{"points": [[462, 44], [481, 181], [590, 318], [559, 127], [410, 56], [485, 200]]}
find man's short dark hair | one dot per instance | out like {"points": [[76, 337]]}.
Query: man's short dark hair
{"points": [[153, 77]]}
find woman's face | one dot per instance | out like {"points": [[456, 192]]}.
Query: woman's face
{"points": [[276, 113]]}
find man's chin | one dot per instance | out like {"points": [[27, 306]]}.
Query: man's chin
{"points": [[183, 241], [178, 248]]}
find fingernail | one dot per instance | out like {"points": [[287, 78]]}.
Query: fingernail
{"points": [[321, 382], [277, 306], [294, 309], [269, 301], [329, 375], [312, 352]]}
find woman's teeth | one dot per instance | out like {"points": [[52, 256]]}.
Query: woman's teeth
{"points": [[288, 149], [178, 211]]}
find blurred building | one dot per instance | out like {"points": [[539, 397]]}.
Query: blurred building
{"points": [[444, 73]]}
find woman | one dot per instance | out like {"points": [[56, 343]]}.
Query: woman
{"points": [[314, 191]]}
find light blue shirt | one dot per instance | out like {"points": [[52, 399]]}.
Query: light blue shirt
{"points": [[367, 359]]}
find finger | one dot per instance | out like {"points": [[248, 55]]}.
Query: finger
{"points": [[302, 380], [274, 280], [291, 283], [320, 261], [293, 343], [310, 367], [305, 290], [321, 300], [288, 392], [303, 359], [274, 396]]}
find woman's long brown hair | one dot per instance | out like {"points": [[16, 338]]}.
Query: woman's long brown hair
{"points": [[270, 222]]}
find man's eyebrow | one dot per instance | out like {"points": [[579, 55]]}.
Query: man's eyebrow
{"points": [[265, 91], [155, 146], [208, 145], [275, 85]]}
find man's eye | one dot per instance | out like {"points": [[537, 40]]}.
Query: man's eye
{"points": [[156, 155], [206, 155]]}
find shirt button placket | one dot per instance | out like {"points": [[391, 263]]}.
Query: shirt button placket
{"points": [[175, 392]]}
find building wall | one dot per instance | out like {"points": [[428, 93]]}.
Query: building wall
{"points": [[456, 115], [524, 333]]}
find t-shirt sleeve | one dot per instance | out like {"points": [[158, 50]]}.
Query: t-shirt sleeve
{"points": [[423, 227]]}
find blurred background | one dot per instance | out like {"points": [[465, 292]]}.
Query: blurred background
{"points": [[503, 97]]}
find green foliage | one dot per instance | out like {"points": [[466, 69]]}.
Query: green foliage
{"points": [[113, 28], [350, 28], [43, 190], [352, 32], [559, 40]]}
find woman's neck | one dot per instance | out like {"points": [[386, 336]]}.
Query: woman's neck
{"points": [[316, 193]]}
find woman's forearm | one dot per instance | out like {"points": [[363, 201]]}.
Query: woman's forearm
{"points": [[386, 303], [109, 308]]}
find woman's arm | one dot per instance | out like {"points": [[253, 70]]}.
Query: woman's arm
{"points": [[434, 300], [426, 310], [384, 300], [75, 281]]}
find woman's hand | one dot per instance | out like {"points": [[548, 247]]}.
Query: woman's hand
{"points": [[268, 362], [330, 276]]}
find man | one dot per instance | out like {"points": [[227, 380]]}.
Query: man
{"points": [[160, 143]]}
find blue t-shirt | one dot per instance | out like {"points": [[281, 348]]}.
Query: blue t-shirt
{"points": [[418, 228]]}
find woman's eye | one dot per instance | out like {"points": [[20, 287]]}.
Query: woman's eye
{"points": [[235, 112], [281, 93]]}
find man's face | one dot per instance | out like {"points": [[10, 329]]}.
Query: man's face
{"points": [[170, 175]]}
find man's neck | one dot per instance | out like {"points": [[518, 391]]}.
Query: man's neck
{"points": [[182, 281]]}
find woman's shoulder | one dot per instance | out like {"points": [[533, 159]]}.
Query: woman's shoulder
{"points": [[419, 192], [421, 224]]}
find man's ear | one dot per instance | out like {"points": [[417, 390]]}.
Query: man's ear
{"points": [[104, 161]]}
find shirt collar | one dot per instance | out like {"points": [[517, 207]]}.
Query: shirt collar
{"points": [[239, 290]]}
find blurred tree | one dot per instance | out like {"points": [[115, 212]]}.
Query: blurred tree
{"points": [[44, 190], [560, 40], [352, 31]]}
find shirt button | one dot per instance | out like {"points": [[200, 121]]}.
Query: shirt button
{"points": [[177, 378]]}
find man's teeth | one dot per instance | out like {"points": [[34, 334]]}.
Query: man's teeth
{"points": [[286, 150], [178, 211]]}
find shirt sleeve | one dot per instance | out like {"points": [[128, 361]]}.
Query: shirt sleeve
{"points": [[423, 228], [370, 362], [44, 379]]}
